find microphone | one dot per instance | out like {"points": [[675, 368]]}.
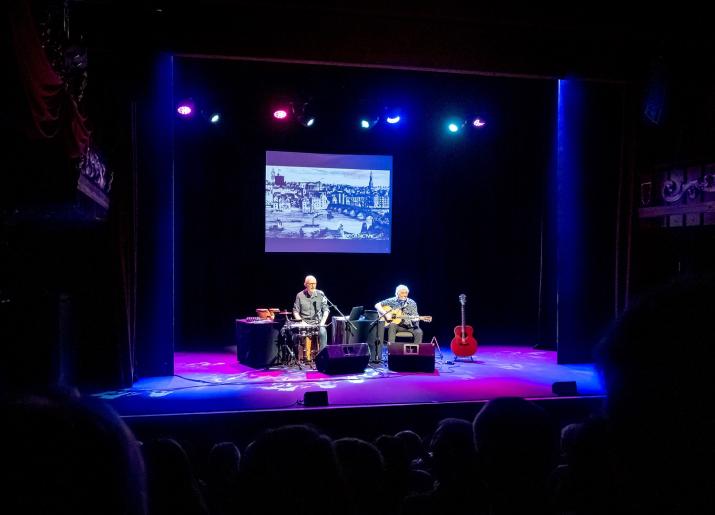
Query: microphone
{"points": [[322, 294]]}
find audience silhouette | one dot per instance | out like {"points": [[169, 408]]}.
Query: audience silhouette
{"points": [[221, 485], [63, 453], [363, 469], [458, 487], [292, 469], [517, 447], [657, 362], [173, 487]]}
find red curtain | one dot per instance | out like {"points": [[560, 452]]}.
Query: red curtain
{"points": [[54, 113]]}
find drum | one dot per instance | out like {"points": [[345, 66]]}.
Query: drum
{"points": [[305, 340]]}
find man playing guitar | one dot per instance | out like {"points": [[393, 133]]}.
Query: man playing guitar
{"points": [[400, 314]]}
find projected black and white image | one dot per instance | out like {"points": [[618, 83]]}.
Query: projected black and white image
{"points": [[327, 203]]}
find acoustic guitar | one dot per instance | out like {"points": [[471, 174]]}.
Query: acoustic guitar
{"points": [[398, 316], [464, 344]]}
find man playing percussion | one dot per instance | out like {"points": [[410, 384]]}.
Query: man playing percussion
{"points": [[311, 306]]}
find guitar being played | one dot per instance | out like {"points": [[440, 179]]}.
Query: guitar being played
{"points": [[397, 316], [400, 314], [464, 344]]}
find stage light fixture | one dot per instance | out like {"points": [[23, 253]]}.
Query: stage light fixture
{"points": [[478, 122], [455, 125], [303, 112], [215, 118], [368, 122], [280, 114], [393, 115], [185, 108]]}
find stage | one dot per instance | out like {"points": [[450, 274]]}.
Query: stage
{"points": [[212, 397], [217, 382]]}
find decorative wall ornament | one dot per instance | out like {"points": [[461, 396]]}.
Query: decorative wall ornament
{"points": [[678, 196], [94, 179]]}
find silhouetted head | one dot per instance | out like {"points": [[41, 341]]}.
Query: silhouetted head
{"points": [[66, 454], [297, 460], [515, 437], [413, 444], [453, 453], [656, 362]]}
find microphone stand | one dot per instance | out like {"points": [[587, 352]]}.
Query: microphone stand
{"points": [[379, 318], [379, 343], [330, 304]]}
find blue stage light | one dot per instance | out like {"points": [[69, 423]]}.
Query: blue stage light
{"points": [[368, 122]]}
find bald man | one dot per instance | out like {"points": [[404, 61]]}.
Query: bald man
{"points": [[311, 306]]}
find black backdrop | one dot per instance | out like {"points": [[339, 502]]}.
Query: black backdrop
{"points": [[467, 209]]}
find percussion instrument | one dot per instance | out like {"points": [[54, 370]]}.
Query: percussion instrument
{"points": [[266, 313], [305, 338]]}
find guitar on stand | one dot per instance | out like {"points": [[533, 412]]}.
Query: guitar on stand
{"points": [[464, 344]]}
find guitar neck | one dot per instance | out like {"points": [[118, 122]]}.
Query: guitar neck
{"points": [[463, 324], [421, 318]]}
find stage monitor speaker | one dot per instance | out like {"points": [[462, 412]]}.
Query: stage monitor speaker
{"points": [[564, 388], [319, 398], [347, 358], [410, 357]]}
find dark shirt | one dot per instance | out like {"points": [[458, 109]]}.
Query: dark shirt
{"points": [[408, 307], [310, 307]]}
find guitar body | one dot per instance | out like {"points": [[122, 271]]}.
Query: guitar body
{"points": [[396, 315], [464, 344]]}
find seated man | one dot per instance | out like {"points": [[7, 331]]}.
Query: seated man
{"points": [[311, 306], [402, 308]]}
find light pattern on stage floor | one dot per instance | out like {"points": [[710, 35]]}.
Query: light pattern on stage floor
{"points": [[216, 382]]}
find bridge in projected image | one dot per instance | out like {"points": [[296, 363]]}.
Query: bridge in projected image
{"points": [[361, 213]]}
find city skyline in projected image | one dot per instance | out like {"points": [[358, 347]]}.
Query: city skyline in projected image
{"points": [[325, 209]]}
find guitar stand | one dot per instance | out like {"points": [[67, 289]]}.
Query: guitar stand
{"points": [[435, 344]]}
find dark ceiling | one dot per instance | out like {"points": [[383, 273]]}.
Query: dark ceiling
{"points": [[603, 44]]}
